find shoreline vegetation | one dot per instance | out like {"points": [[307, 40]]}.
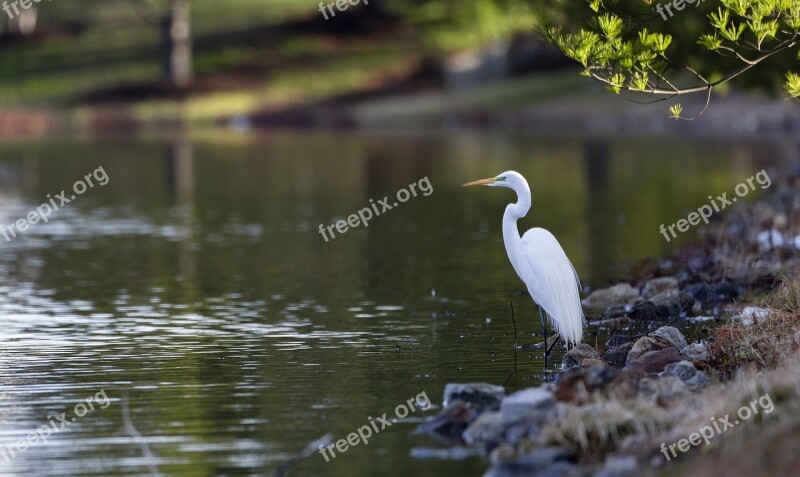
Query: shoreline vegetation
{"points": [[613, 411], [288, 68]]}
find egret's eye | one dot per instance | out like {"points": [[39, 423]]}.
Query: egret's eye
{"points": [[501, 178]]}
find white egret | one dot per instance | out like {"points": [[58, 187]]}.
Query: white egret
{"points": [[541, 263]]}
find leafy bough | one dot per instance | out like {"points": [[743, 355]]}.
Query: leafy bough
{"points": [[618, 50]]}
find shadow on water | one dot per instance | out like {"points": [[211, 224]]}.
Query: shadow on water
{"points": [[196, 281]]}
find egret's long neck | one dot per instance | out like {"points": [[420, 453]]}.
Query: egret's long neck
{"points": [[514, 212]]}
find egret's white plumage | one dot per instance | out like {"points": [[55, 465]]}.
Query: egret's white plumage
{"points": [[540, 262]]}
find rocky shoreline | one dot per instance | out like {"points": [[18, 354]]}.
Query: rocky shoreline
{"points": [[615, 411]]}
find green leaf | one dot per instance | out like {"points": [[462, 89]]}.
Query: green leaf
{"points": [[675, 111], [793, 84]]}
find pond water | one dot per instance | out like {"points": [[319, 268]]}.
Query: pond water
{"points": [[193, 302]]}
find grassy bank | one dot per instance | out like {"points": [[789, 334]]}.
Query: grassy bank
{"points": [[249, 54]]}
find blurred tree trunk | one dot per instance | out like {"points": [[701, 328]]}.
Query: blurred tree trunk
{"points": [[24, 23], [177, 31]]}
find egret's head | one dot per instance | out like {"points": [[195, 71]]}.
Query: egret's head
{"points": [[511, 179]]}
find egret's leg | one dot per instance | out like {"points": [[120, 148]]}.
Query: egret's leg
{"points": [[544, 334], [555, 342]]}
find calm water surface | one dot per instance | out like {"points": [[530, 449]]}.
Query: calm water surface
{"points": [[195, 287]]}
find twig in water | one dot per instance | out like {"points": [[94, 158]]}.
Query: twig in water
{"points": [[310, 449], [137, 436]]}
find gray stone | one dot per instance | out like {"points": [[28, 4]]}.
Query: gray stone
{"points": [[686, 372], [575, 386], [532, 404], [643, 345], [658, 286], [683, 370], [662, 390], [618, 355], [671, 335], [487, 428], [543, 457], [654, 361], [481, 394], [450, 422], [619, 295], [619, 466], [576, 355], [696, 352], [667, 304], [669, 298], [751, 314], [446, 453], [505, 456], [521, 430], [698, 381]]}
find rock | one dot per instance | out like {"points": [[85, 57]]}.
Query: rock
{"points": [[588, 363], [622, 295], [698, 381], [655, 361], [658, 286], [576, 355], [686, 372], [560, 469], [446, 453], [616, 311], [619, 466], [711, 294], [625, 385], [576, 387], [662, 390], [661, 338], [503, 454], [486, 429], [668, 304], [543, 457], [696, 352], [532, 404], [751, 315], [644, 345], [521, 430], [644, 311], [671, 335], [682, 370], [533, 462], [451, 422], [618, 339], [618, 355], [480, 394]]}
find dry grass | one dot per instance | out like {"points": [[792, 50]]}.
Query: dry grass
{"points": [[596, 429], [764, 444], [766, 343], [787, 296]]}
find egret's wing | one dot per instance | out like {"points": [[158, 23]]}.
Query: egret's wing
{"points": [[552, 282]]}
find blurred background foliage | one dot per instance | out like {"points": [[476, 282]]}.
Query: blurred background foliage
{"points": [[255, 54]]}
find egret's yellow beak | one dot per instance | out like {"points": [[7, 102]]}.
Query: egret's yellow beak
{"points": [[480, 182]]}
